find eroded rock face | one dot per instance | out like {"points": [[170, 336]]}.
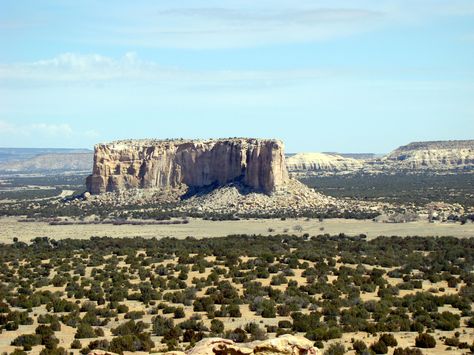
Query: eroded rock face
{"points": [[436, 155], [258, 164], [306, 162]]}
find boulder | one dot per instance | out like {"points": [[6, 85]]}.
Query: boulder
{"points": [[283, 345]]}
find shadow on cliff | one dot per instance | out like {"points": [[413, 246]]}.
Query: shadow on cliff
{"points": [[196, 191]]}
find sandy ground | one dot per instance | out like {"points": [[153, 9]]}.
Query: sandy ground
{"points": [[10, 228], [405, 339]]}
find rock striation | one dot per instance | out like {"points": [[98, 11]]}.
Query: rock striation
{"points": [[439, 157], [307, 162], [435, 155], [145, 164]]}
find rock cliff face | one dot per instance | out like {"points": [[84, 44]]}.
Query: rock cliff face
{"points": [[304, 162], [438, 155], [121, 165]]}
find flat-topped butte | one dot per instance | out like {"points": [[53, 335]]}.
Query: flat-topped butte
{"points": [[121, 165]]}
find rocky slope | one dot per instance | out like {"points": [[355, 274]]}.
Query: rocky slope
{"points": [[436, 155], [123, 165], [307, 162]]}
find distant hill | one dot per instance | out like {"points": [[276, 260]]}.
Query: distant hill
{"points": [[321, 162], [358, 156], [19, 154], [433, 156], [26, 160]]}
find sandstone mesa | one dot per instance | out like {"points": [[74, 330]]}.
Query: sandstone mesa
{"points": [[122, 165]]}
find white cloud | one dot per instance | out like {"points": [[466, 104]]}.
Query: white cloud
{"points": [[229, 27], [238, 23], [31, 129], [86, 69]]}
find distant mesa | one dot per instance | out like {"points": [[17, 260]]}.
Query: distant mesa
{"points": [[145, 164], [322, 162], [435, 155]]}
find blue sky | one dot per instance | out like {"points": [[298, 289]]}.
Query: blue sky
{"points": [[347, 76]]}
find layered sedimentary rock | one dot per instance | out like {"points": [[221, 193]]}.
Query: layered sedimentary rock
{"points": [[121, 165], [436, 155], [307, 162]]}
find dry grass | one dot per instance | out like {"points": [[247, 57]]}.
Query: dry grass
{"points": [[10, 228]]}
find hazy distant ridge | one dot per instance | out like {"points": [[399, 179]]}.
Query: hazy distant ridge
{"points": [[50, 162]]}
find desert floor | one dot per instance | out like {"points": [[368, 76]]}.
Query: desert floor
{"points": [[10, 228]]}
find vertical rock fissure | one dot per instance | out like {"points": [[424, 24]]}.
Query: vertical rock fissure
{"points": [[257, 163]]}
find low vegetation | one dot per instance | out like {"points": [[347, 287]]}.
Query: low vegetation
{"points": [[139, 294], [419, 189]]}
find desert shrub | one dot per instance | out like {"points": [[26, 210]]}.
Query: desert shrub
{"points": [[305, 322], [179, 313], [85, 331], [447, 321], [335, 349], [99, 332], [101, 344], [285, 324], [323, 333], [379, 347], [18, 352], [27, 340], [53, 351], [407, 351], [238, 335], [190, 336], [76, 344], [255, 331], [359, 346], [162, 325], [132, 342], [388, 339], [283, 310], [452, 341], [129, 327], [217, 326], [425, 340], [10, 326], [134, 315], [122, 308]]}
